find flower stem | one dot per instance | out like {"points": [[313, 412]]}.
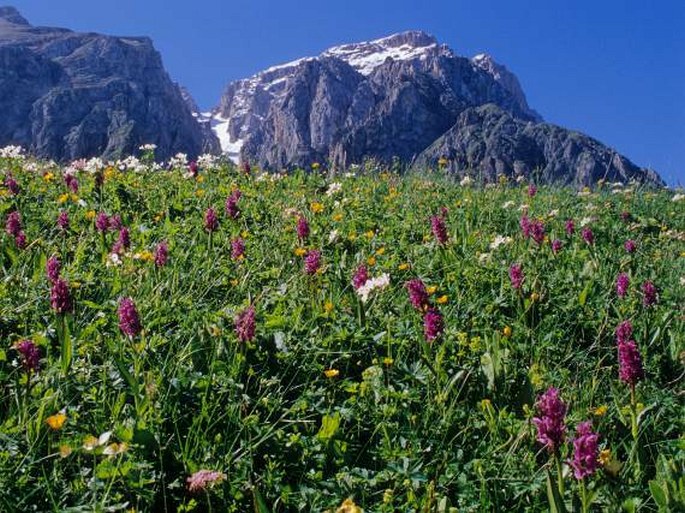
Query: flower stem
{"points": [[560, 475]]}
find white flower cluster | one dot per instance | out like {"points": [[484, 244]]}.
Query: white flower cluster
{"points": [[180, 160], [148, 147], [207, 161], [334, 188], [467, 180], [378, 283], [11, 152], [499, 240]]}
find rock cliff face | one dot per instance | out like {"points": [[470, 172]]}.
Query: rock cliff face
{"points": [[66, 95], [487, 141], [407, 97]]}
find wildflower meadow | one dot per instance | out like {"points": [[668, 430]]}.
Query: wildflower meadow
{"points": [[206, 337]]}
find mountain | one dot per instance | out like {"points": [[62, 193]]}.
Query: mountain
{"points": [[66, 95], [404, 97]]}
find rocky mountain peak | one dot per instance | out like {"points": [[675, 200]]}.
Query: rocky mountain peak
{"points": [[11, 15]]}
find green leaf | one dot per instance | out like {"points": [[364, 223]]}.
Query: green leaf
{"points": [[556, 504], [659, 494], [329, 426], [259, 503]]}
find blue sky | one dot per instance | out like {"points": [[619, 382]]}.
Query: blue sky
{"points": [[613, 69]]}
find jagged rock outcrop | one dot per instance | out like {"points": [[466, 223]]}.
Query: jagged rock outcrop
{"points": [[406, 97], [66, 95], [487, 141]]}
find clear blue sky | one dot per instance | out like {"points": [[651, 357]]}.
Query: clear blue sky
{"points": [[613, 69]]}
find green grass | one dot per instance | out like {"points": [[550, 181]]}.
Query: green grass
{"points": [[405, 425]]}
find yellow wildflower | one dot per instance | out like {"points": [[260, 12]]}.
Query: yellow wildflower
{"points": [[56, 421], [604, 457], [316, 207], [507, 331], [244, 234], [369, 234], [328, 307], [600, 411], [348, 506], [64, 450], [199, 193], [74, 197], [62, 198], [431, 289], [234, 282], [316, 166], [442, 299], [331, 373], [337, 217], [200, 179], [90, 215], [300, 252], [371, 260], [388, 361], [110, 172], [48, 176], [534, 297], [90, 442], [403, 267], [380, 251]]}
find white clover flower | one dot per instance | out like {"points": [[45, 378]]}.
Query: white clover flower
{"points": [[113, 259], [333, 236], [467, 180]]}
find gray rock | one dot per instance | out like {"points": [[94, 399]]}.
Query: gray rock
{"points": [[66, 95], [487, 141]]}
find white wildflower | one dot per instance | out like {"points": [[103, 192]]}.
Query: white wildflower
{"points": [[333, 236], [378, 283], [467, 180], [678, 197], [334, 188], [499, 240]]}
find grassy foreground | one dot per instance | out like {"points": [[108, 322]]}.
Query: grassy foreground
{"points": [[247, 355]]}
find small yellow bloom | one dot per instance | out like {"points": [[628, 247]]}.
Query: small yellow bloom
{"points": [[48, 177], [90, 442], [74, 197], [200, 179], [380, 251], [56, 421], [90, 215], [352, 237], [331, 373], [75, 284], [337, 217], [604, 457], [316, 207], [316, 166], [507, 331], [300, 252], [431, 289], [114, 448], [64, 450], [158, 217], [403, 267], [369, 234], [371, 260], [244, 234], [328, 307], [234, 282], [199, 193], [600, 411], [62, 198], [348, 506], [534, 297], [110, 172], [388, 361], [442, 299], [214, 330]]}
